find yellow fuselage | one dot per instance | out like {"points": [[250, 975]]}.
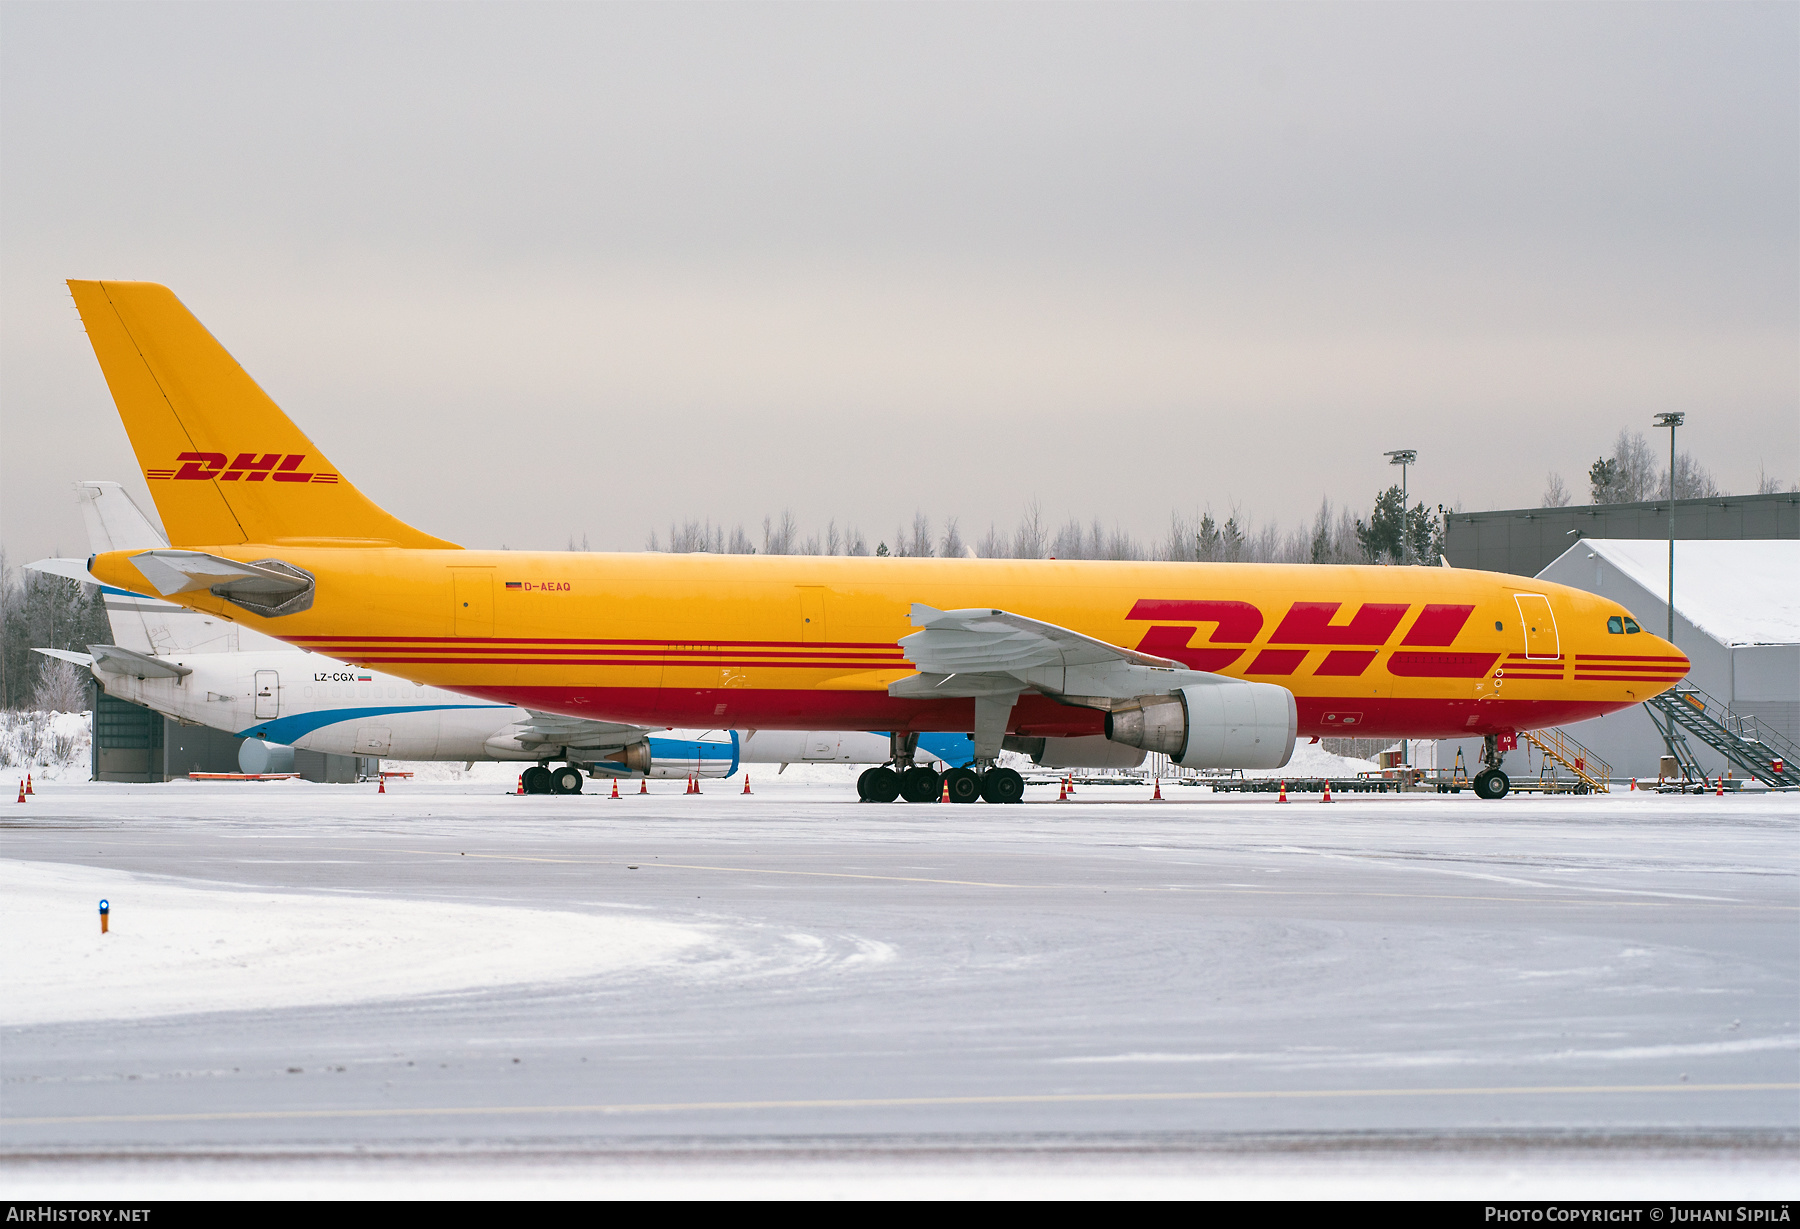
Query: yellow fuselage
{"points": [[807, 642]]}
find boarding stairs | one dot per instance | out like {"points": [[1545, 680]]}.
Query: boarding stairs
{"points": [[1559, 745], [1753, 749]]}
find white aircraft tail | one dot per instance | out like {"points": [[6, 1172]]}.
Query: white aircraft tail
{"points": [[143, 623]]}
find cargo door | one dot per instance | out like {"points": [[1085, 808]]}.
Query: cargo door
{"points": [[473, 597], [268, 695], [812, 614], [821, 745], [1539, 626]]}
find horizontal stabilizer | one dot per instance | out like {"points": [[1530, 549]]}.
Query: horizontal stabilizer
{"points": [[68, 569], [84, 660], [267, 587], [111, 659]]}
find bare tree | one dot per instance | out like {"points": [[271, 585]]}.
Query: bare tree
{"points": [[61, 688], [1030, 541], [1556, 494], [917, 544], [994, 544], [779, 539], [952, 546], [1691, 479]]}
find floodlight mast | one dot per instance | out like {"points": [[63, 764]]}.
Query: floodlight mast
{"points": [[1404, 457], [1671, 420]]}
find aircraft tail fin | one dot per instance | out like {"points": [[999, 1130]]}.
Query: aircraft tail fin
{"points": [[113, 522], [224, 464]]}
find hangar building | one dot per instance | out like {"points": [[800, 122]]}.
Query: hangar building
{"points": [[1737, 617]]}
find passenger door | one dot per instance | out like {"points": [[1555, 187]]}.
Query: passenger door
{"points": [[268, 695], [1539, 624]]}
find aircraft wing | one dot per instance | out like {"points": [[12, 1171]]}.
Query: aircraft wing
{"points": [[974, 640], [985, 652], [581, 733]]}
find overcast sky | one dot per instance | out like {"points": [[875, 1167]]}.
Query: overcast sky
{"points": [[527, 271]]}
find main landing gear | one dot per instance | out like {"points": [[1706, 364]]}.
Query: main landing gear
{"points": [[920, 784], [1490, 782], [917, 783], [542, 779]]}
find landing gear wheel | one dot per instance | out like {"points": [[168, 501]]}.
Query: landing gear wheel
{"points": [[566, 780], [862, 785], [879, 785], [921, 784], [537, 780], [1491, 783], [964, 784], [1002, 785]]}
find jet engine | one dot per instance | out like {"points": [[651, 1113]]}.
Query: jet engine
{"points": [[1212, 725]]}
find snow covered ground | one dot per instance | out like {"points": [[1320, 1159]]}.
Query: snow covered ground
{"points": [[172, 948], [315, 989]]}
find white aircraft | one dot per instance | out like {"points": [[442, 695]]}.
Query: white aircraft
{"points": [[200, 668]]}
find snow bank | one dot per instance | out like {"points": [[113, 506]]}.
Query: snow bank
{"points": [[176, 948], [1312, 760], [47, 745]]}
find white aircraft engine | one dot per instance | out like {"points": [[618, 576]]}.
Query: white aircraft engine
{"points": [[1212, 725]]}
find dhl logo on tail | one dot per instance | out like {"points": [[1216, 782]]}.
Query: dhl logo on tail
{"points": [[250, 467]]}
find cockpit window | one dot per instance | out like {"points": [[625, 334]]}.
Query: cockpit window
{"points": [[1616, 625], [1631, 627]]}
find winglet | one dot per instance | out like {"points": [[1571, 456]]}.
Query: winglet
{"points": [[224, 464]]}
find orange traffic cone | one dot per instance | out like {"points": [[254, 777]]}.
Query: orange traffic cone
{"points": [[1062, 795], [28, 790], [615, 792], [1633, 784], [21, 791], [746, 783], [946, 797], [1721, 785], [1283, 797], [1327, 797], [381, 785], [644, 786], [1071, 783], [521, 788], [1157, 796]]}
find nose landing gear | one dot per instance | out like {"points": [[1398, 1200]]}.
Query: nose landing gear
{"points": [[1490, 782]]}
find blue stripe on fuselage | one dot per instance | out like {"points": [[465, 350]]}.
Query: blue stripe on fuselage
{"points": [[287, 729]]}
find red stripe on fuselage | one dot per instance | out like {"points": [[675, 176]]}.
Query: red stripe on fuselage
{"points": [[1034, 715], [820, 645]]}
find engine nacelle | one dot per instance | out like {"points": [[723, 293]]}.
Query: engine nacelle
{"points": [[635, 760], [1212, 725], [256, 757], [1086, 751]]}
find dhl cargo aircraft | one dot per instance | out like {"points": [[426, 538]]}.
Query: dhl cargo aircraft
{"points": [[1216, 665]]}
